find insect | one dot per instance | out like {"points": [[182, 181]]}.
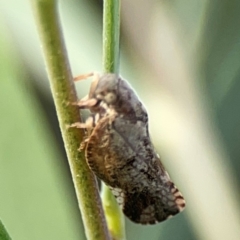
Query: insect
{"points": [[119, 151]]}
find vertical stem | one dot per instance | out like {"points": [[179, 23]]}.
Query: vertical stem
{"points": [[111, 33], [63, 92], [113, 213]]}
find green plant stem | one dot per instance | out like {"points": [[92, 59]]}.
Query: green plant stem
{"points": [[3, 232], [111, 33], [63, 90], [113, 213]]}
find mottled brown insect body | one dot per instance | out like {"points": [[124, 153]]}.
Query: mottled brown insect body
{"points": [[120, 153]]}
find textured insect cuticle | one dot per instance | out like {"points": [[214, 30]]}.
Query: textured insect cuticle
{"points": [[120, 153]]}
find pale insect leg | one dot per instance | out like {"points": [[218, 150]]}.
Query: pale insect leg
{"points": [[85, 103], [90, 122], [83, 76], [88, 101]]}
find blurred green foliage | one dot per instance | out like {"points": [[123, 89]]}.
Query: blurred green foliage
{"points": [[36, 193]]}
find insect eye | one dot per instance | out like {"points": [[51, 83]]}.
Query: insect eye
{"points": [[110, 98]]}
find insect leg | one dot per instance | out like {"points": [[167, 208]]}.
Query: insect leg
{"points": [[85, 103], [83, 76], [95, 81], [90, 122]]}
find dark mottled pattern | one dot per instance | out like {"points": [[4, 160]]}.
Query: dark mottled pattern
{"points": [[119, 151]]}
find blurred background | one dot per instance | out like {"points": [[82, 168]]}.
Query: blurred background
{"points": [[182, 58]]}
